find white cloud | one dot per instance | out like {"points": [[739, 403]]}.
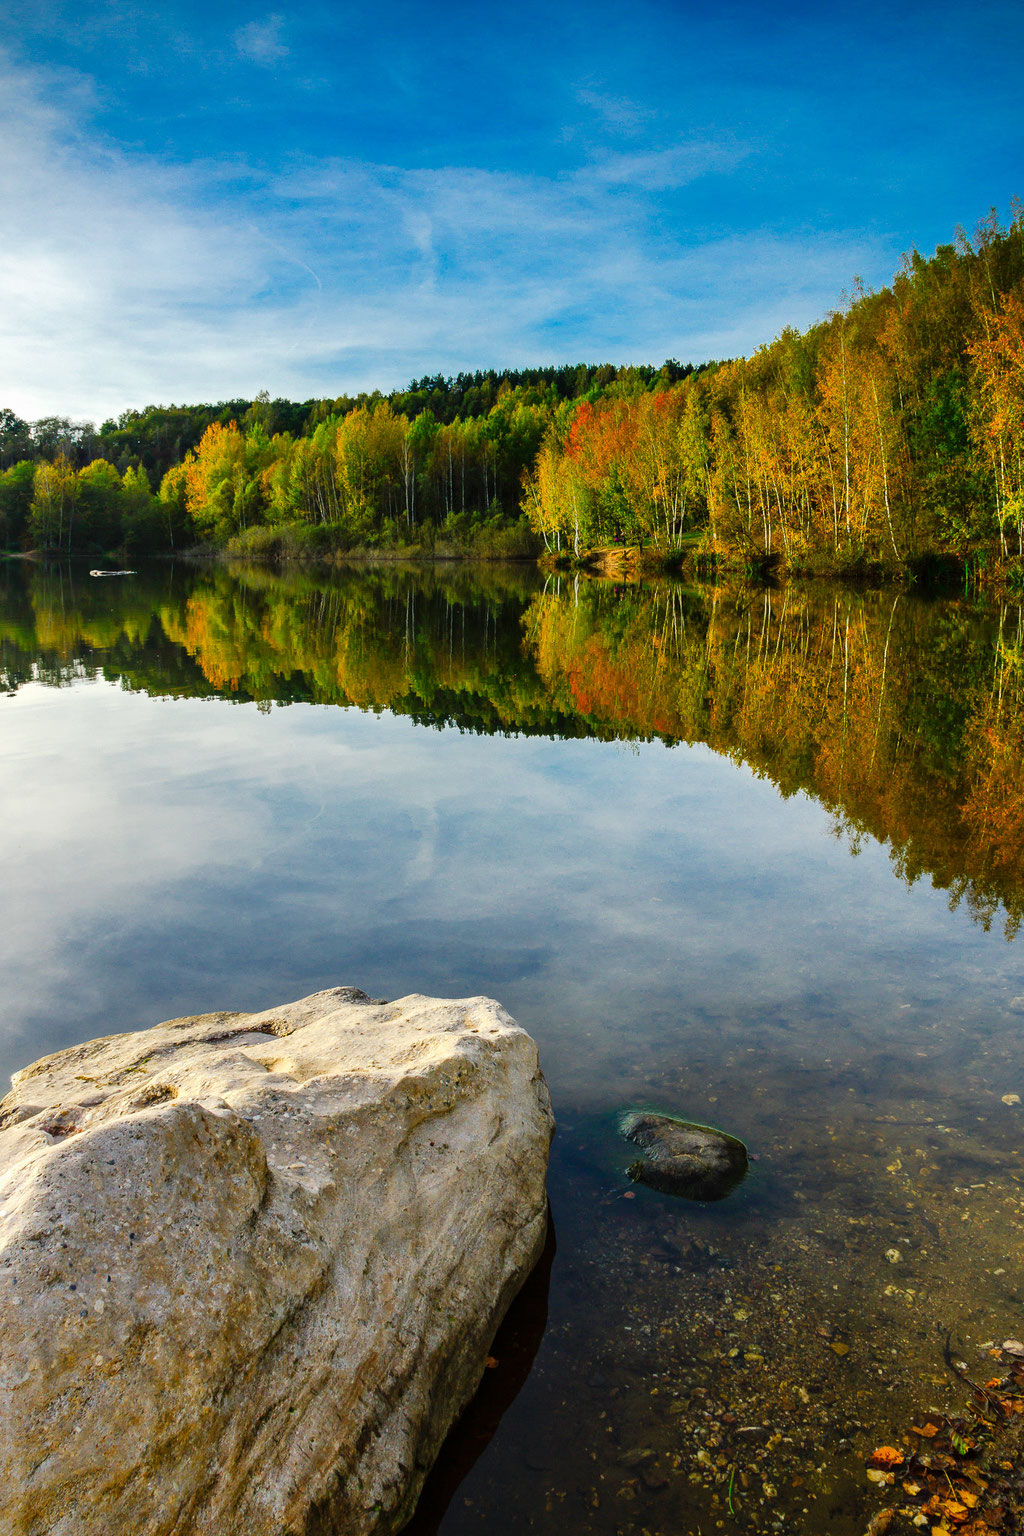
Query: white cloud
{"points": [[260, 41], [127, 281]]}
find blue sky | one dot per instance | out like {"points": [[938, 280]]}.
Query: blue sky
{"points": [[199, 202]]}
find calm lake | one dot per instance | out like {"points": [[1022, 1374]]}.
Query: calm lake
{"points": [[753, 858]]}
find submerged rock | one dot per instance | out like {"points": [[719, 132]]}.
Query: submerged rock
{"points": [[694, 1161], [251, 1265]]}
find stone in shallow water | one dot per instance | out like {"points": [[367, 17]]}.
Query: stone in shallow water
{"points": [[251, 1265], [682, 1158]]}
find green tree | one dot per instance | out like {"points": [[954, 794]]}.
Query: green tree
{"points": [[17, 488], [99, 507], [15, 438]]}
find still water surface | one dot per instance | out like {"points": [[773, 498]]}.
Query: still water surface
{"points": [[756, 859]]}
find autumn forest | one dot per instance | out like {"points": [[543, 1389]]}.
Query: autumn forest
{"points": [[887, 435]]}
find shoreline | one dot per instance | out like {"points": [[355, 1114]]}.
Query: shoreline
{"points": [[931, 570]]}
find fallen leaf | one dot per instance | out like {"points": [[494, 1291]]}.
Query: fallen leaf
{"points": [[1013, 1347], [490, 1363], [928, 1430], [840, 1348], [886, 1456]]}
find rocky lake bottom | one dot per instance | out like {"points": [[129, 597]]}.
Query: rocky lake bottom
{"points": [[733, 1366]]}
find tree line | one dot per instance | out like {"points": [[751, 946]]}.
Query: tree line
{"points": [[445, 455], [890, 431]]}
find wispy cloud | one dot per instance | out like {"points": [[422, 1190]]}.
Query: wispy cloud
{"points": [[260, 41], [127, 281], [618, 113], [660, 170]]}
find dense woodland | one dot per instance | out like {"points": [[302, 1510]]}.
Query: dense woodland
{"points": [[444, 458], [890, 432]]}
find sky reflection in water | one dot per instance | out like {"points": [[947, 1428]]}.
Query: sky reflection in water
{"points": [[180, 856]]}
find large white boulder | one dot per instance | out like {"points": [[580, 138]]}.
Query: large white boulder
{"points": [[251, 1265]]}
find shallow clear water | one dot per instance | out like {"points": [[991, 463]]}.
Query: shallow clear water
{"points": [[618, 864]]}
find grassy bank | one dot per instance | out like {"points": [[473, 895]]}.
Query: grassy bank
{"points": [[457, 538], [692, 559]]}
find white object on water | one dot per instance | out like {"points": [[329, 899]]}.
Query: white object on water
{"points": [[113, 573]]}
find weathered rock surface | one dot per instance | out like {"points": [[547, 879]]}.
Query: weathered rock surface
{"points": [[682, 1158], [250, 1265]]}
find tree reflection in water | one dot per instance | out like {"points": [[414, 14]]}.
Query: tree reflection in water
{"points": [[904, 717]]}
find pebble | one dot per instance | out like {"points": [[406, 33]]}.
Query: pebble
{"points": [[635, 1457], [1011, 1098], [893, 1255]]}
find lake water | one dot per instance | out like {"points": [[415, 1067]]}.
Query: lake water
{"points": [[753, 858]]}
